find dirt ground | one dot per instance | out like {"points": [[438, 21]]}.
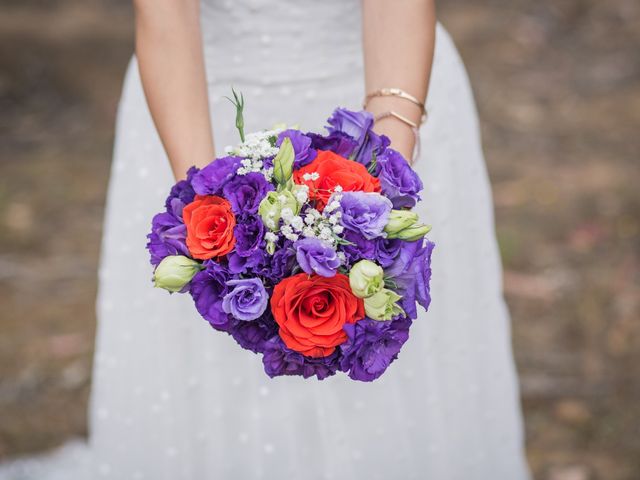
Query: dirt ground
{"points": [[558, 90]]}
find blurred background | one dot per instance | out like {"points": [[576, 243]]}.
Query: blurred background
{"points": [[558, 89]]}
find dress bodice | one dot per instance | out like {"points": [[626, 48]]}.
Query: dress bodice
{"points": [[284, 41]]}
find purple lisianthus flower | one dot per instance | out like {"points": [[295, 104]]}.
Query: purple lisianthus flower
{"points": [[278, 360], [411, 272], [321, 367], [168, 233], [267, 162], [249, 233], [402, 263], [245, 192], [239, 264], [359, 125], [398, 180], [181, 194], [208, 289], [422, 271], [304, 153], [338, 142], [253, 335], [357, 247], [371, 346], [314, 256], [168, 237], [386, 250], [247, 300], [365, 212], [279, 265], [212, 178]]}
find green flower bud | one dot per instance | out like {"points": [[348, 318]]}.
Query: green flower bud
{"points": [[283, 163], [382, 305], [366, 278], [271, 206], [415, 232], [175, 272], [399, 220], [403, 224]]}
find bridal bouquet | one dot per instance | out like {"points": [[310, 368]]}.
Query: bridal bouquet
{"points": [[303, 247]]}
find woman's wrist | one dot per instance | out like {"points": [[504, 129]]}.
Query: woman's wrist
{"points": [[397, 127], [403, 138]]}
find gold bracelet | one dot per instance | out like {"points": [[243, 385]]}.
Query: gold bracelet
{"points": [[397, 116], [414, 128], [397, 92]]}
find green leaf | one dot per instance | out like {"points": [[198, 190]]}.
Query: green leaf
{"points": [[390, 284], [342, 241]]}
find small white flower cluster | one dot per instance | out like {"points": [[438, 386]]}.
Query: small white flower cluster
{"points": [[301, 193], [254, 149], [332, 211], [292, 224], [324, 226], [250, 165]]}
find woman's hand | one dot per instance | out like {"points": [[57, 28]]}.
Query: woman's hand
{"points": [[171, 63], [398, 41]]}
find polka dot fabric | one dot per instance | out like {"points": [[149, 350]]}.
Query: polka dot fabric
{"points": [[173, 401]]}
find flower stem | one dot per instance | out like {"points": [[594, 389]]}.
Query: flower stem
{"points": [[238, 102]]}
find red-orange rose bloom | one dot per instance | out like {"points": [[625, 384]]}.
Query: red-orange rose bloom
{"points": [[311, 311], [210, 223], [335, 170]]}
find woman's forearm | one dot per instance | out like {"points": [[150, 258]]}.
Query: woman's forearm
{"points": [[171, 63], [399, 40]]}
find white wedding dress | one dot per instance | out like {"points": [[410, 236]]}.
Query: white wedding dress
{"points": [[173, 399]]}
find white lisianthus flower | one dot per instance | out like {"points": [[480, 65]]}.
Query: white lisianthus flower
{"points": [[366, 278], [383, 305], [174, 272]]}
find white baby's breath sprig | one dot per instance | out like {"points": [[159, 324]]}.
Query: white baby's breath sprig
{"points": [[270, 237], [255, 148]]}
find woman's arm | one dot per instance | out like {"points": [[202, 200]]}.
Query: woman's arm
{"points": [[399, 39], [171, 62]]}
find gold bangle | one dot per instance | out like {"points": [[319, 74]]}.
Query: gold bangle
{"points": [[397, 92], [397, 116], [409, 123]]}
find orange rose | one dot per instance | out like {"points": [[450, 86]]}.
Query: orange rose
{"points": [[335, 170], [311, 311], [210, 223]]}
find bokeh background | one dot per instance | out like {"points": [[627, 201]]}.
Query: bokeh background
{"points": [[558, 89]]}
